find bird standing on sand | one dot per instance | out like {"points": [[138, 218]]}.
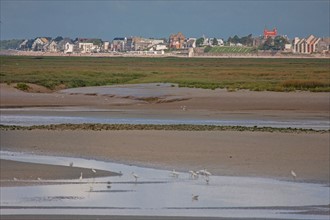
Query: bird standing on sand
{"points": [[293, 174], [80, 178]]}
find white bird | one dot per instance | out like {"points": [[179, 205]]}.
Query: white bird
{"points": [[94, 171], [205, 172], [135, 176], [81, 176], [175, 174], [294, 175], [15, 179], [194, 197], [39, 179], [184, 108], [193, 174]]}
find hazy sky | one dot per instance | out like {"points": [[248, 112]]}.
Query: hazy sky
{"points": [[107, 19]]}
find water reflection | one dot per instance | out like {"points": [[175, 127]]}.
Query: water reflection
{"points": [[156, 192]]}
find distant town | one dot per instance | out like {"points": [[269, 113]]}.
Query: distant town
{"points": [[269, 43]]}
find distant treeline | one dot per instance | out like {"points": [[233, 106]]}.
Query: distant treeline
{"points": [[10, 44]]}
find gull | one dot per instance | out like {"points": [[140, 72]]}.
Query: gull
{"points": [[194, 197], [183, 107], [39, 179], [94, 171], [80, 178], [135, 176], [205, 172], [193, 174], [294, 175], [175, 174], [15, 179]]}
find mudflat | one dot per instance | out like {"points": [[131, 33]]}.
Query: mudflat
{"points": [[266, 154], [258, 154], [14, 173]]}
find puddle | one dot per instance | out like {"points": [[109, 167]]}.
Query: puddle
{"points": [[147, 90], [157, 192]]}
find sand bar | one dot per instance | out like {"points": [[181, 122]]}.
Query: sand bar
{"points": [[222, 152]]}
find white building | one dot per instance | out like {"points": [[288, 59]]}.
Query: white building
{"points": [[161, 47], [106, 45], [68, 48], [86, 47], [53, 46]]}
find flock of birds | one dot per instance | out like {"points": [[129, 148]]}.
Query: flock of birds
{"points": [[192, 174]]}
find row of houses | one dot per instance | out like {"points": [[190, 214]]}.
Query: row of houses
{"points": [[307, 45], [118, 44], [310, 45]]}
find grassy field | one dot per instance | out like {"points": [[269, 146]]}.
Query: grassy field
{"points": [[233, 50], [253, 74]]}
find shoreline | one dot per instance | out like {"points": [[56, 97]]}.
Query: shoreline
{"points": [[232, 152], [224, 153], [16, 173]]}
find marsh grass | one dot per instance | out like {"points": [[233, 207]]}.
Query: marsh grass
{"points": [[22, 86], [231, 74], [179, 127], [306, 84]]}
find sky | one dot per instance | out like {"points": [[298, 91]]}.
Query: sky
{"points": [[106, 19]]}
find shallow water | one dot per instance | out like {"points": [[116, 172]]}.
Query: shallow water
{"points": [[156, 192], [147, 90], [46, 116]]}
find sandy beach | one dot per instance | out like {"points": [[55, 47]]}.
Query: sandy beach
{"points": [[231, 153], [222, 152]]}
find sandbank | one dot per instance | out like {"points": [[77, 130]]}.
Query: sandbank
{"points": [[233, 153]]}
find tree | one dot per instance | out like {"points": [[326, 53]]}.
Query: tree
{"points": [[279, 42], [199, 42], [236, 39], [58, 39], [215, 42], [268, 45]]}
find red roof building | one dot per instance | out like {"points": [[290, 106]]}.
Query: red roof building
{"points": [[268, 33]]}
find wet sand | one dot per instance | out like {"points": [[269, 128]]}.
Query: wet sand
{"points": [[233, 153], [28, 173], [200, 103], [257, 154], [222, 152]]}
